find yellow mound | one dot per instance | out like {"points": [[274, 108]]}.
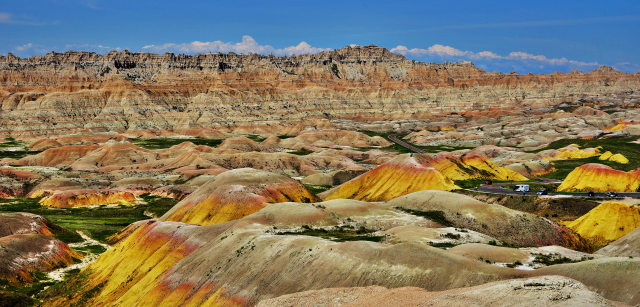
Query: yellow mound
{"points": [[573, 151], [600, 178], [610, 221], [605, 156], [406, 174], [391, 180], [615, 158], [234, 194]]}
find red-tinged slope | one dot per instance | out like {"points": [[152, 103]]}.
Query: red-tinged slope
{"points": [[25, 223], [234, 194], [22, 254]]}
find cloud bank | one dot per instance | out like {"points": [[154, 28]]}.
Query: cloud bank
{"points": [[521, 62], [247, 45]]}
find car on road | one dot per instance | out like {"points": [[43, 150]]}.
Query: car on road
{"points": [[612, 194], [543, 192], [591, 194]]}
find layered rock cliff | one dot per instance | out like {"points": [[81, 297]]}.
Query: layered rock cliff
{"points": [[63, 92]]}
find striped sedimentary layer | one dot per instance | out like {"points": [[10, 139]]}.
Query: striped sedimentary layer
{"points": [[27, 245], [411, 173], [61, 93], [235, 194], [600, 178]]}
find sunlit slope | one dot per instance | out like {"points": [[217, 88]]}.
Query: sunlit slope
{"points": [[234, 194], [406, 174], [600, 178], [609, 221]]}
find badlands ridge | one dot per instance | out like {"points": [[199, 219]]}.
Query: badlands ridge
{"points": [[243, 180]]}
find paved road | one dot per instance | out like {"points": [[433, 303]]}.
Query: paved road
{"points": [[394, 138], [497, 189]]}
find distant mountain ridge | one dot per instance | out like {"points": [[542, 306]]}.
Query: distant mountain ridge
{"points": [[60, 93]]}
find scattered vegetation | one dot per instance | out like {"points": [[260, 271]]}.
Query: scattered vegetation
{"points": [[301, 152], [256, 137], [339, 233], [551, 259], [617, 145], [317, 189], [433, 215], [98, 223], [161, 143]]}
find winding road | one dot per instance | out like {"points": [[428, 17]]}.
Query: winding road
{"points": [[498, 189]]}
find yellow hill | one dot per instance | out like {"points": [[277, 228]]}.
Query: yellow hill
{"points": [[406, 174], [609, 221], [600, 178], [608, 156]]}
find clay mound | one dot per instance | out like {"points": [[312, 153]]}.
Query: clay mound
{"points": [[82, 198], [113, 156], [234, 194], [539, 291], [19, 174], [330, 138], [614, 278], [283, 163], [589, 112], [572, 151], [490, 252], [406, 174], [629, 245], [44, 144], [25, 223], [57, 157], [608, 221], [615, 158], [412, 233], [21, 254], [532, 168], [600, 178], [502, 223], [240, 143], [400, 176]]}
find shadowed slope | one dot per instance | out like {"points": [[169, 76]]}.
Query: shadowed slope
{"points": [[502, 223]]}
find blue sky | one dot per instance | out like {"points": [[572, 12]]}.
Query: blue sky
{"points": [[537, 36]]}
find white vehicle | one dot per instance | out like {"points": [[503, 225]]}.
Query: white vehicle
{"points": [[521, 188]]}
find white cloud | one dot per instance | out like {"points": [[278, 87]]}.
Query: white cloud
{"points": [[247, 45], [24, 47], [10, 19], [88, 47], [446, 52]]}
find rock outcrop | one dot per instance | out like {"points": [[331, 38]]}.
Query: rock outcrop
{"points": [[60, 93]]}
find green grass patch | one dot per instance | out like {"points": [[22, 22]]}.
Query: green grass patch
{"points": [[256, 137], [317, 189], [342, 233], [301, 152], [433, 215], [443, 245], [162, 143], [91, 249], [283, 137], [617, 145], [98, 223]]}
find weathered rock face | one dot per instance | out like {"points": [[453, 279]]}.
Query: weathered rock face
{"points": [[60, 93]]}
